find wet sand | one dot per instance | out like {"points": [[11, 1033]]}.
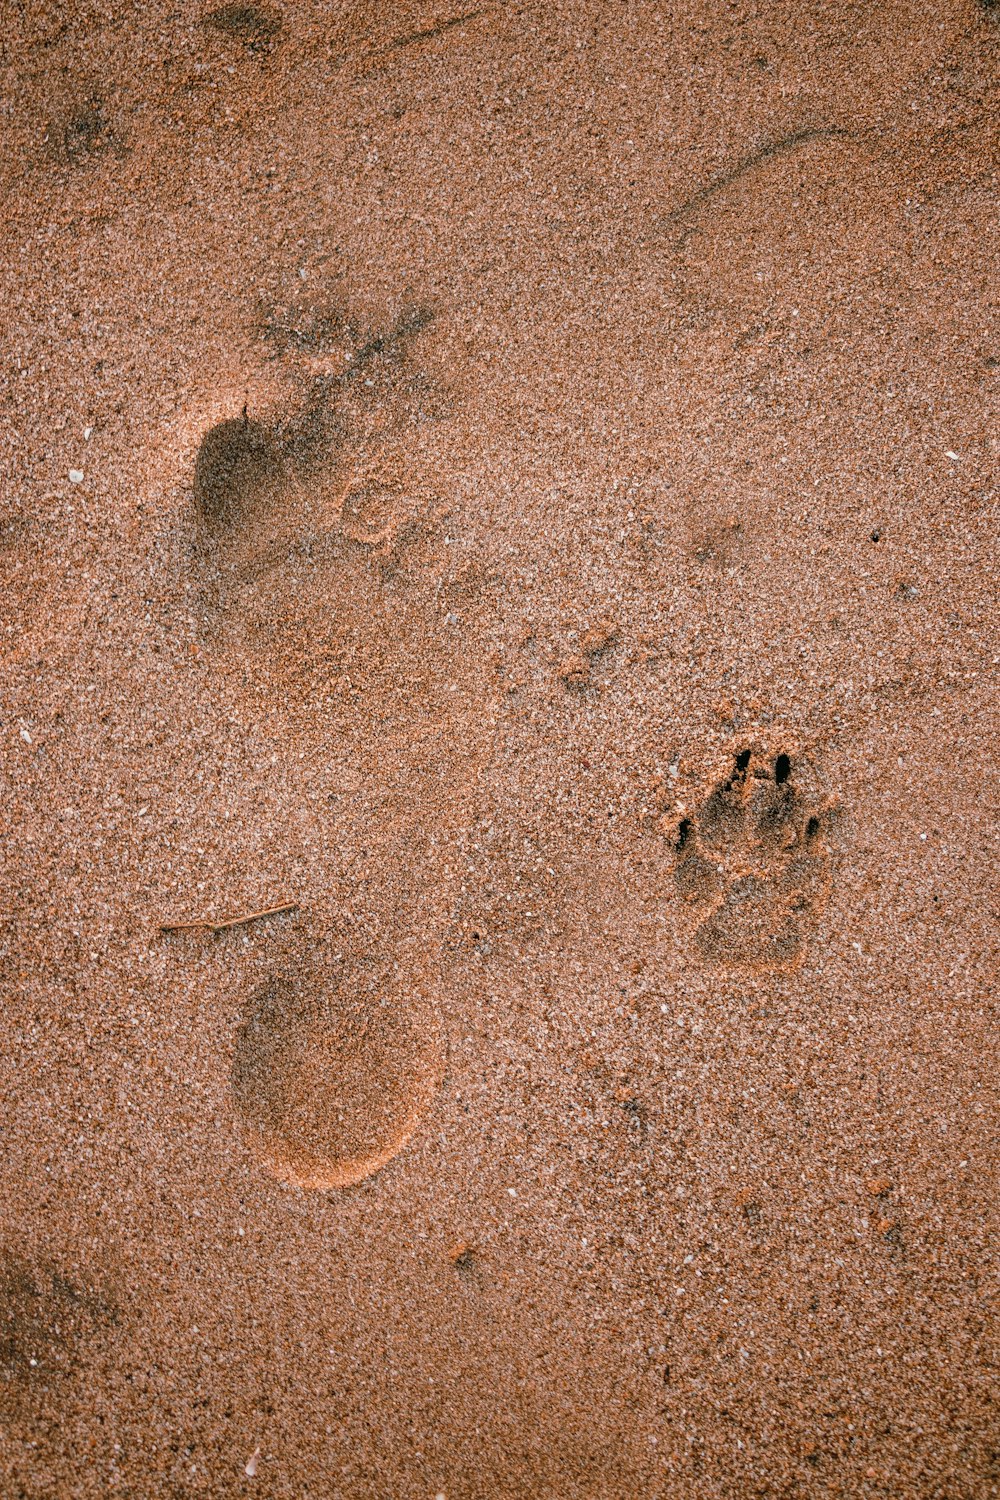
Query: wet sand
{"points": [[516, 486]]}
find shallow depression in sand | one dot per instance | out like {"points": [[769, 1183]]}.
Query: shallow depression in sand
{"points": [[330, 1086], [754, 863]]}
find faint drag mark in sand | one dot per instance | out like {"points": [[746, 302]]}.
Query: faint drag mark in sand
{"points": [[48, 1327], [328, 1085], [811, 215], [438, 28], [753, 862], [687, 212], [365, 56], [330, 344], [256, 28]]}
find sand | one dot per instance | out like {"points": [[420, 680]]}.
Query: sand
{"points": [[517, 485]]}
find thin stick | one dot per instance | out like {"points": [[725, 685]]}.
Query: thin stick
{"points": [[254, 916]]}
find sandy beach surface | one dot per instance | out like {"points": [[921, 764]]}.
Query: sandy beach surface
{"points": [[498, 524]]}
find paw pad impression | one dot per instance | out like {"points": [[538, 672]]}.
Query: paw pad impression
{"points": [[753, 863]]}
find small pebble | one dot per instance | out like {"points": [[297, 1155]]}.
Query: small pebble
{"points": [[76, 476]]}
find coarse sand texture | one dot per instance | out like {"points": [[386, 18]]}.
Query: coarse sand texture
{"points": [[498, 749]]}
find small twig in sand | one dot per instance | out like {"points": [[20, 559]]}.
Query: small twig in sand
{"points": [[253, 916]]}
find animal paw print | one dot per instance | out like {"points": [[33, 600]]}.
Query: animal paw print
{"points": [[753, 862]]}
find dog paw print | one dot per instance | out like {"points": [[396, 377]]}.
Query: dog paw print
{"points": [[753, 862]]}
